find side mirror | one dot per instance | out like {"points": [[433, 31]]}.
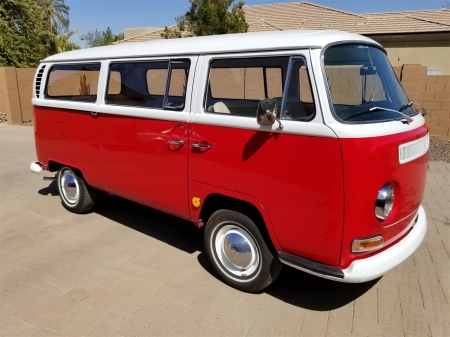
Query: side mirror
{"points": [[424, 111], [266, 112], [368, 70]]}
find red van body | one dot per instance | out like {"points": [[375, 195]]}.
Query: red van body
{"points": [[313, 181]]}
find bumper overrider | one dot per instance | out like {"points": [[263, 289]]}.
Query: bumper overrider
{"points": [[370, 268], [37, 167]]}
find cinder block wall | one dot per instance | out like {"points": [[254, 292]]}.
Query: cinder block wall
{"points": [[432, 91]]}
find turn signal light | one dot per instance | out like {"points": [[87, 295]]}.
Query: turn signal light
{"points": [[367, 244]]}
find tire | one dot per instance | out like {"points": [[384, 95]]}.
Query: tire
{"points": [[238, 253], [76, 195]]}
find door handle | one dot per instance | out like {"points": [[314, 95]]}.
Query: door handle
{"points": [[176, 142], [94, 113], [201, 146]]}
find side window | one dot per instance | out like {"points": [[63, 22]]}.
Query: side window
{"points": [[298, 101], [73, 82], [237, 85], [145, 84]]}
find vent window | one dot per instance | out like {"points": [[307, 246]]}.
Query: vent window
{"points": [[37, 85]]}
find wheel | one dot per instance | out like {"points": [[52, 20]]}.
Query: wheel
{"points": [[76, 195], [238, 252]]}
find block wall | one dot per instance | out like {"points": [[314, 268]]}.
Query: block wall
{"points": [[346, 85], [431, 91]]}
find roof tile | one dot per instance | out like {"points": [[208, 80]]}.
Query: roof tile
{"points": [[305, 15]]}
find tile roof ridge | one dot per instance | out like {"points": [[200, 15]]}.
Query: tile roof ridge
{"points": [[412, 11], [275, 4], [271, 24], [428, 20], [308, 4], [331, 9]]}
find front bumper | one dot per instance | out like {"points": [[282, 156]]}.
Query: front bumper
{"points": [[377, 265], [371, 267], [36, 167]]}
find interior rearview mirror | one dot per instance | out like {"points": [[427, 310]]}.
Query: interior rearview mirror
{"points": [[368, 70], [266, 112]]}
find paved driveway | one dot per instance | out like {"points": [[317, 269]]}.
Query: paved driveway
{"points": [[128, 270]]}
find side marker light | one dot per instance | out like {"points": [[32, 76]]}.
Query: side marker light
{"points": [[196, 202], [367, 244]]}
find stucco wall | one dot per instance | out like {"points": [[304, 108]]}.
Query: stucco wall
{"points": [[434, 58]]}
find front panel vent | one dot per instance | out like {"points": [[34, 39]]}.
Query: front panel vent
{"points": [[410, 151], [37, 85]]}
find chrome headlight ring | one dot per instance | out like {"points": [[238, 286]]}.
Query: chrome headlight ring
{"points": [[384, 202]]}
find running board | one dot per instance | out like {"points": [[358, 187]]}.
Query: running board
{"points": [[310, 266]]}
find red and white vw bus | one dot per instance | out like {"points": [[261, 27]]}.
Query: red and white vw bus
{"points": [[295, 147]]}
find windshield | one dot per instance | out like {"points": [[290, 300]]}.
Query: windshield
{"points": [[360, 78]]}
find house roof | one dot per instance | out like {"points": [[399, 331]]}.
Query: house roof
{"points": [[306, 15]]}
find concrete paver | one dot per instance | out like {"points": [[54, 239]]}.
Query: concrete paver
{"points": [[128, 270]]}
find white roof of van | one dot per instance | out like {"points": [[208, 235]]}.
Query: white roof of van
{"points": [[214, 44]]}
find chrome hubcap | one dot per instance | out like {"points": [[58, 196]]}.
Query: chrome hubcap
{"points": [[236, 250], [69, 187]]}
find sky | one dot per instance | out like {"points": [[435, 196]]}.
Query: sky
{"points": [[87, 15]]}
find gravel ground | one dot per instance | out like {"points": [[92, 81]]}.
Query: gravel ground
{"points": [[439, 151]]}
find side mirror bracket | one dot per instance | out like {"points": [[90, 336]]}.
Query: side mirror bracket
{"points": [[266, 112]]}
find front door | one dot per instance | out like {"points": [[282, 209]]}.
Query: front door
{"points": [[143, 130], [295, 173]]}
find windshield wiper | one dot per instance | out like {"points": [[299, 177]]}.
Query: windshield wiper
{"points": [[406, 106], [407, 118]]}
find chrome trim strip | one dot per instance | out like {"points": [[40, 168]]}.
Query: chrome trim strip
{"points": [[406, 217]]}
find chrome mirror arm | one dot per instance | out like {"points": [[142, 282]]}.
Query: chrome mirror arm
{"points": [[424, 111], [280, 126]]}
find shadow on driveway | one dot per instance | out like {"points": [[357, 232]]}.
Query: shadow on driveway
{"points": [[292, 286]]}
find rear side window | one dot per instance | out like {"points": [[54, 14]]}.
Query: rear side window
{"points": [[237, 85], [156, 84], [73, 82]]}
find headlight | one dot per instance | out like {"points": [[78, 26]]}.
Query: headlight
{"points": [[385, 202]]}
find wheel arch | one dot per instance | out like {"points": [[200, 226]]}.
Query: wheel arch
{"points": [[54, 166], [216, 201]]}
